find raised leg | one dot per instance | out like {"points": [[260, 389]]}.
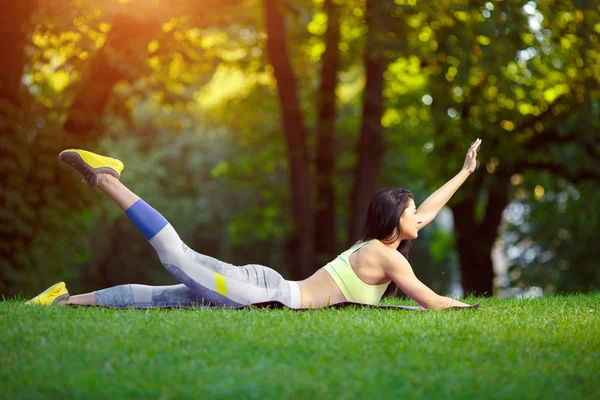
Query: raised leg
{"points": [[212, 280], [113, 187]]}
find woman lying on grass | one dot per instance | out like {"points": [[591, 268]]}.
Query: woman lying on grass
{"points": [[361, 274]]}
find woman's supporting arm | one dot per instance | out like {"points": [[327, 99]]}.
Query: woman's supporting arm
{"points": [[435, 202], [399, 270]]}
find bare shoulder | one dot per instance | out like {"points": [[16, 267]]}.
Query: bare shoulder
{"points": [[385, 256]]}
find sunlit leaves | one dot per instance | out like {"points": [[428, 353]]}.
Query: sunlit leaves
{"points": [[507, 125], [175, 67], [227, 83], [208, 39], [153, 45], [318, 25], [59, 80], [57, 57], [483, 40], [352, 31], [403, 76], [350, 86], [554, 92]]}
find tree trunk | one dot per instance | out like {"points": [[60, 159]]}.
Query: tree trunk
{"points": [[474, 255], [14, 29], [125, 43], [474, 241], [325, 237], [302, 246], [372, 141], [15, 232]]}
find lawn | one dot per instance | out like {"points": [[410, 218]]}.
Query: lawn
{"points": [[532, 348]]}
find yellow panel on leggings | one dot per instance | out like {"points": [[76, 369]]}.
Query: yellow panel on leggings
{"points": [[221, 285]]}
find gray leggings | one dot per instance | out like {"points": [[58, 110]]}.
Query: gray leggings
{"points": [[206, 280], [254, 275], [144, 296]]}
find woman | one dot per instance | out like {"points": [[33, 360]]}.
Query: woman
{"points": [[361, 274]]}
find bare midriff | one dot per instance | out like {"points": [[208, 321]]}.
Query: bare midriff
{"points": [[320, 290]]}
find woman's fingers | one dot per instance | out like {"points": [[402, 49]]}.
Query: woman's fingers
{"points": [[475, 145], [472, 154]]}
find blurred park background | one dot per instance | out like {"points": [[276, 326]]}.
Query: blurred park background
{"points": [[261, 129]]}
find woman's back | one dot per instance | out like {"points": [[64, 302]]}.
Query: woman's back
{"points": [[367, 262]]}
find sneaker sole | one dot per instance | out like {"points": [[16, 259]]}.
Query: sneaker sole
{"points": [[89, 173]]}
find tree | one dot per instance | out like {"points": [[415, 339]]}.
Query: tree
{"points": [[493, 75], [15, 229], [302, 244], [371, 147], [125, 49], [325, 207], [552, 217], [117, 60], [432, 77], [551, 234], [34, 204]]}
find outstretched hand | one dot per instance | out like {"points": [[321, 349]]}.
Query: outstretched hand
{"points": [[471, 158]]}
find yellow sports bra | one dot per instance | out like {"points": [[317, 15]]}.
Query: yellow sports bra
{"points": [[351, 286]]}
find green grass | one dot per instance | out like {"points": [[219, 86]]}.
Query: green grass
{"points": [[539, 348]]}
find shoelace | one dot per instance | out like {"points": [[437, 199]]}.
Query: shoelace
{"points": [[113, 162], [55, 292]]}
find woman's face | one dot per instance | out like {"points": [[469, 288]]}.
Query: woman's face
{"points": [[410, 221]]}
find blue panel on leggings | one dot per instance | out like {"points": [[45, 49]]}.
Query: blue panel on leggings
{"points": [[146, 219]]}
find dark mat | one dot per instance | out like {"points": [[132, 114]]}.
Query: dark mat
{"points": [[278, 305]]}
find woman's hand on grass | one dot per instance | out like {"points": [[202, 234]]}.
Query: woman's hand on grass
{"points": [[448, 302]]}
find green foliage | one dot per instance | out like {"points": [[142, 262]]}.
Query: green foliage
{"points": [[67, 237], [35, 197], [196, 121], [211, 213], [563, 220], [441, 245], [507, 349], [515, 76]]}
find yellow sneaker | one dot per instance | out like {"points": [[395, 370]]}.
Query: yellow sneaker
{"points": [[51, 296], [90, 165]]}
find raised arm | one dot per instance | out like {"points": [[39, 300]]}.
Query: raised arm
{"points": [[400, 271], [434, 203]]}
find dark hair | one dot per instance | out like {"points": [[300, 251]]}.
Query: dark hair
{"points": [[383, 222]]}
